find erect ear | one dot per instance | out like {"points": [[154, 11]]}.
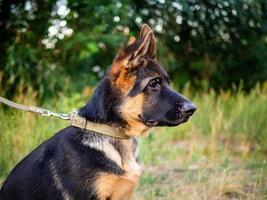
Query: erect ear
{"points": [[132, 55], [143, 46], [145, 29], [147, 44]]}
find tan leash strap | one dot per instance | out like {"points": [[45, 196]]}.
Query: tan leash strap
{"points": [[33, 109], [14, 105], [75, 119]]}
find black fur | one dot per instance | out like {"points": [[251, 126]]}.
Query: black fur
{"points": [[102, 107], [74, 164], [65, 156]]}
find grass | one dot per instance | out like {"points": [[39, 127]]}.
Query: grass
{"points": [[195, 168], [219, 154]]}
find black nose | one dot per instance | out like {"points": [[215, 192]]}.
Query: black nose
{"points": [[188, 108]]}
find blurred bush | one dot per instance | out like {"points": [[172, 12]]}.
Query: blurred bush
{"points": [[59, 45]]}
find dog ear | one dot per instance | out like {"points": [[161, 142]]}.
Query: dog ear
{"points": [[147, 43], [132, 55], [152, 46]]}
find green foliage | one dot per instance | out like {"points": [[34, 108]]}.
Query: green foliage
{"points": [[60, 45], [215, 43]]}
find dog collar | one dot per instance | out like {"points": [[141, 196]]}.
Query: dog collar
{"points": [[75, 119], [104, 129]]}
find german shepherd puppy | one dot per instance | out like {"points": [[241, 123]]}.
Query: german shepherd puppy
{"points": [[77, 164]]}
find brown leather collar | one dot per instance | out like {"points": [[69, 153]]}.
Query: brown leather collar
{"points": [[104, 129]]}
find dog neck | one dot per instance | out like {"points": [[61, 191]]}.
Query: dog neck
{"points": [[101, 107]]}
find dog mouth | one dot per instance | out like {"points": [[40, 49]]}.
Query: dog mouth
{"points": [[151, 123], [154, 123], [148, 122], [175, 123]]}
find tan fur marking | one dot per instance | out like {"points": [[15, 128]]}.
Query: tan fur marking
{"points": [[114, 187], [104, 185], [123, 190], [124, 80], [131, 109]]}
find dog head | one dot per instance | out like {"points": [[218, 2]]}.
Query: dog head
{"points": [[143, 87]]}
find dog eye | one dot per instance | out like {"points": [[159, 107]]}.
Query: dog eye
{"points": [[154, 83]]}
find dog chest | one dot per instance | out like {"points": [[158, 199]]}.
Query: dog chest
{"points": [[115, 186]]}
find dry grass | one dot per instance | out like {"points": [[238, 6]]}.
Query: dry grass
{"points": [[173, 183], [221, 177], [201, 167]]}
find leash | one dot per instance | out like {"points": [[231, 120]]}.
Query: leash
{"points": [[33, 109], [73, 117]]}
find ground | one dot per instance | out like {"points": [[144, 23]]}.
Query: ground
{"points": [[233, 177]]}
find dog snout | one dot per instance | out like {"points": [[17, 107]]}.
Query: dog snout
{"points": [[188, 108]]}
